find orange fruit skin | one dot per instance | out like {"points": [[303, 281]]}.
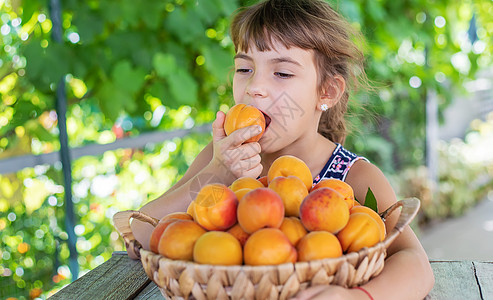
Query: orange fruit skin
{"points": [[343, 188], [243, 115], [292, 191], [157, 232], [374, 215], [215, 207], [318, 245], [361, 231], [268, 246], [163, 223], [177, 215], [260, 208], [191, 209], [218, 248], [287, 165], [293, 229], [178, 239], [324, 209], [239, 234], [245, 183], [241, 192]]}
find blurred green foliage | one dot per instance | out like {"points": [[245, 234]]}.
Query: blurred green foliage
{"points": [[465, 175], [137, 66]]}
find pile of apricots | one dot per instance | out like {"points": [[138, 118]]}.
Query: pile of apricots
{"points": [[278, 218]]}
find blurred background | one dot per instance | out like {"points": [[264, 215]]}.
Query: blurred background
{"points": [[123, 93]]}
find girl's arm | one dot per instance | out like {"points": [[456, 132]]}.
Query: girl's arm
{"points": [[221, 161], [407, 273]]}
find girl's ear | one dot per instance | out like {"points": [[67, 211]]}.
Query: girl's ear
{"points": [[332, 91]]}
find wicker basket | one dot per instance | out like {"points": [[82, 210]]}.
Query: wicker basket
{"points": [[188, 280]]}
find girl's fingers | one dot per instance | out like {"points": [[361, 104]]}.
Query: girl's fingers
{"points": [[218, 127], [233, 157], [254, 172], [250, 167], [248, 150], [239, 136]]}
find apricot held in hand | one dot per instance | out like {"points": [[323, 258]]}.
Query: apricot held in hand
{"points": [[243, 115]]}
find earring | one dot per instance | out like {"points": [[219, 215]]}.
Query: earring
{"points": [[324, 107]]}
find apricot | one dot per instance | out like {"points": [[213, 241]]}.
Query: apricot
{"points": [[178, 239], [290, 165], [293, 229], [318, 245], [177, 215], [343, 188], [292, 191], [324, 209], [191, 209], [243, 115], [157, 232], [245, 182], [240, 193], [260, 208], [215, 207], [217, 248], [239, 234], [264, 181], [361, 231], [268, 246], [374, 215]]}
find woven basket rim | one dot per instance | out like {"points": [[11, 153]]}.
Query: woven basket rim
{"points": [[345, 257]]}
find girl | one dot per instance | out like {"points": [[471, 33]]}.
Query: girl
{"points": [[296, 62]]}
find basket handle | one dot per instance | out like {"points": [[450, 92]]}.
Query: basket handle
{"points": [[410, 207], [121, 221]]}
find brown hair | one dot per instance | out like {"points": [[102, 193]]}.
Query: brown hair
{"points": [[310, 25]]}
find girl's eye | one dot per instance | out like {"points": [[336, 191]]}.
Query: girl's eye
{"points": [[242, 70], [283, 75]]}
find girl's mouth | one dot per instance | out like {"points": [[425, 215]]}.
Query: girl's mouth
{"points": [[267, 119]]}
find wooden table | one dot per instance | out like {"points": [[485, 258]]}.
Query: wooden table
{"points": [[123, 278]]}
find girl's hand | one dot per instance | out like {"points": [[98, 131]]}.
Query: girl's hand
{"points": [[232, 154], [332, 292]]}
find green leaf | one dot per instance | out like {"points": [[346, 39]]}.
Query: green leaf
{"points": [[114, 100], [153, 12], [126, 78], [165, 64], [89, 25], [183, 87], [218, 61], [34, 54], [186, 25], [207, 10], [371, 201]]}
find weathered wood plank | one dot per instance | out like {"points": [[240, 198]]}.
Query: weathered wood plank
{"points": [[454, 280], [151, 292], [117, 278], [484, 274]]}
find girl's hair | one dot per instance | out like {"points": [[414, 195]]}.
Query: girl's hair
{"points": [[311, 25]]}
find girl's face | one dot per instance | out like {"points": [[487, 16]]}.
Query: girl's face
{"points": [[282, 83]]}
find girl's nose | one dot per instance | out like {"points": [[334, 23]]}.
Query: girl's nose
{"points": [[256, 86]]}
